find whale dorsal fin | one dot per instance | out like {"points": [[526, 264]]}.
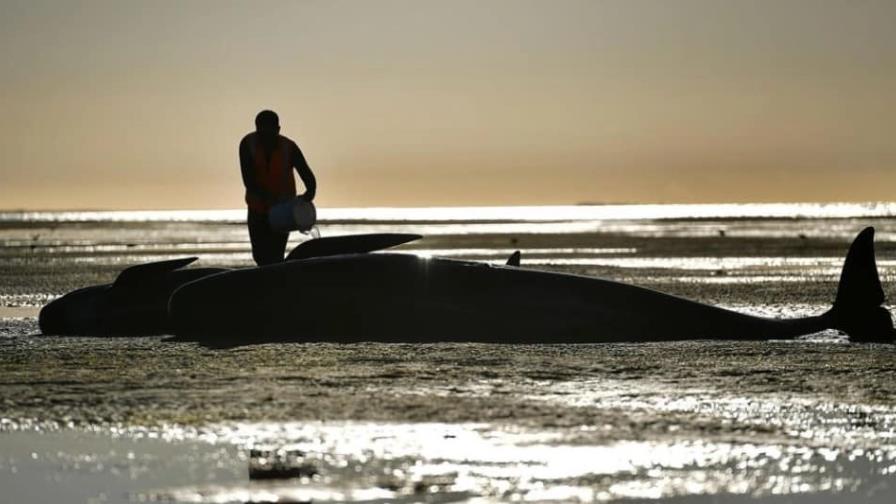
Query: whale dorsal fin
{"points": [[514, 259], [350, 244], [149, 272]]}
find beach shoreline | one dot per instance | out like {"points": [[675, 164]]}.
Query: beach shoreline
{"points": [[736, 422]]}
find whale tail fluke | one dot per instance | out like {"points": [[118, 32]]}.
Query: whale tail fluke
{"points": [[857, 309]]}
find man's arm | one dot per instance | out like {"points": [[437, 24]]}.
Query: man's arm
{"points": [[304, 172], [248, 178]]}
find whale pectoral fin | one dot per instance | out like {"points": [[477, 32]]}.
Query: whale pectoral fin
{"points": [[350, 244], [141, 274], [514, 259]]}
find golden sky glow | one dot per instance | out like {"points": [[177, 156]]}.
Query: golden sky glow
{"points": [[127, 104]]}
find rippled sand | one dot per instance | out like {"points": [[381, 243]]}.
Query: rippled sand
{"points": [[141, 419]]}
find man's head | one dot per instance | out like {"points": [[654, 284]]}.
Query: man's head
{"points": [[267, 124]]}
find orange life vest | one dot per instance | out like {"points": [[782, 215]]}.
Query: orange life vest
{"points": [[273, 175]]}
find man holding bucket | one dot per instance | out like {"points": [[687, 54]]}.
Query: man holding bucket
{"points": [[267, 159]]}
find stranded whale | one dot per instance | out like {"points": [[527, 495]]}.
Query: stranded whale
{"points": [[136, 304], [405, 298]]}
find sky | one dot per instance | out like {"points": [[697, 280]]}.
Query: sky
{"points": [[141, 104]]}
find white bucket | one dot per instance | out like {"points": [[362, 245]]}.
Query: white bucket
{"points": [[291, 215]]}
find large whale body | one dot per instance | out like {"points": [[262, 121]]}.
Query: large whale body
{"points": [[405, 298], [136, 303]]}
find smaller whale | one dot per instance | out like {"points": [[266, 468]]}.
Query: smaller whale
{"points": [[136, 303], [404, 298]]}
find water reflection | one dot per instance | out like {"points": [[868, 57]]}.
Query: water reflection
{"points": [[361, 461], [505, 213]]}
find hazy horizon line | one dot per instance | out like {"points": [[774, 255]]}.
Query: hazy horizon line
{"points": [[552, 205]]}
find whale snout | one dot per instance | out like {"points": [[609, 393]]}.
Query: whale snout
{"points": [[73, 313], [51, 319]]}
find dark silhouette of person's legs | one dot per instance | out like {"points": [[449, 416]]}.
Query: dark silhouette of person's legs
{"points": [[268, 246]]}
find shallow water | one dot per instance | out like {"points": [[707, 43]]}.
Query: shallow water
{"points": [[140, 419]]}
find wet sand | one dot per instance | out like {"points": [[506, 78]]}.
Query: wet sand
{"points": [[809, 420]]}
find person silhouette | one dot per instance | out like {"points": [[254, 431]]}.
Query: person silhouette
{"points": [[267, 159]]}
